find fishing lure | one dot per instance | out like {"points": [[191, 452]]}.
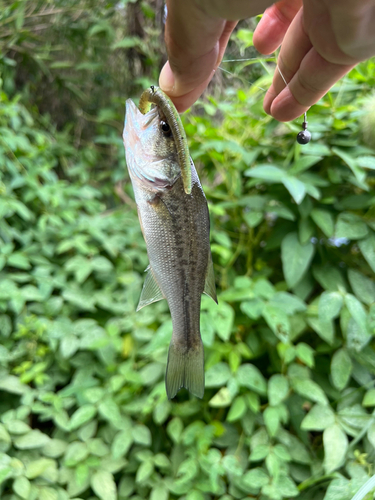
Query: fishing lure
{"points": [[154, 95]]}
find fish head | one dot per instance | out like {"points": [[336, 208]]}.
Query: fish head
{"points": [[151, 152]]}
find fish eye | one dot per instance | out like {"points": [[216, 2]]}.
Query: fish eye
{"points": [[166, 129]]}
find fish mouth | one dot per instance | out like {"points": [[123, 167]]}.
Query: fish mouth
{"points": [[132, 114], [135, 121]]}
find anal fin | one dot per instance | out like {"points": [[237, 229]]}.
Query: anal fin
{"points": [[209, 285], [150, 292]]}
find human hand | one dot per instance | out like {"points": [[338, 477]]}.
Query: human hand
{"points": [[322, 40]]}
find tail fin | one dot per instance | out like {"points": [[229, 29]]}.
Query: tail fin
{"points": [[185, 368]]}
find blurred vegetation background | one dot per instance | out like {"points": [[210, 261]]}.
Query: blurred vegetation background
{"points": [[288, 410]]}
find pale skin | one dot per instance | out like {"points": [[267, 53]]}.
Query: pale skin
{"points": [[321, 41]]}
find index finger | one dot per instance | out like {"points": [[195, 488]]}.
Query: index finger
{"points": [[196, 35], [308, 74]]}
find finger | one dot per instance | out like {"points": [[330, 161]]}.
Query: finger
{"points": [[295, 46], [223, 42], [312, 81], [196, 36], [271, 29], [183, 102]]}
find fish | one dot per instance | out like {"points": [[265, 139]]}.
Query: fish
{"points": [[175, 225]]}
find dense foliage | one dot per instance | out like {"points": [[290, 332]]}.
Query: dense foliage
{"points": [[288, 410]]}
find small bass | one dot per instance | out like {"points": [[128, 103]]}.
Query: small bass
{"points": [[173, 214]]}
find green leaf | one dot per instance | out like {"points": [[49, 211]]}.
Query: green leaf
{"points": [[232, 465], [110, 411], [144, 471], [295, 187], [278, 389], [371, 434], [341, 369], [319, 418], [266, 173], [159, 492], [249, 376], [161, 461], [223, 320], [363, 287], [286, 486], [5, 325], [306, 354], [369, 398], [367, 248], [259, 452], [324, 220], [287, 302], [37, 468], [335, 444], [161, 412], [104, 486], [278, 321], [351, 162], [222, 398], [21, 486], [217, 375], [17, 427], [121, 444], [306, 231], [174, 429], [55, 448], [142, 435], [127, 42], [84, 414], [366, 162], [325, 330], [4, 436], [253, 218], [237, 409], [357, 311], [309, 389], [330, 304], [329, 277], [76, 452], [33, 439], [69, 345], [303, 163], [272, 420], [339, 489], [296, 258], [252, 308], [19, 260], [350, 226]]}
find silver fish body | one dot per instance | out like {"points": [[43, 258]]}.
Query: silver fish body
{"points": [[176, 229]]}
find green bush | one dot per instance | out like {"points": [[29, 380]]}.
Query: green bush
{"points": [[288, 410]]}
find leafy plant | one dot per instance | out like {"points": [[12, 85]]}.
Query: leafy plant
{"points": [[290, 363]]}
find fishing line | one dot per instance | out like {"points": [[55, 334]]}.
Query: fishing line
{"points": [[304, 136], [259, 59], [282, 76], [240, 77]]}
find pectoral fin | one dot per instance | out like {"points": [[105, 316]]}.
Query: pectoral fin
{"points": [[150, 292], [209, 286]]}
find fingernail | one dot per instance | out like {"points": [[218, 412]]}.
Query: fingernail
{"points": [[166, 78]]}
